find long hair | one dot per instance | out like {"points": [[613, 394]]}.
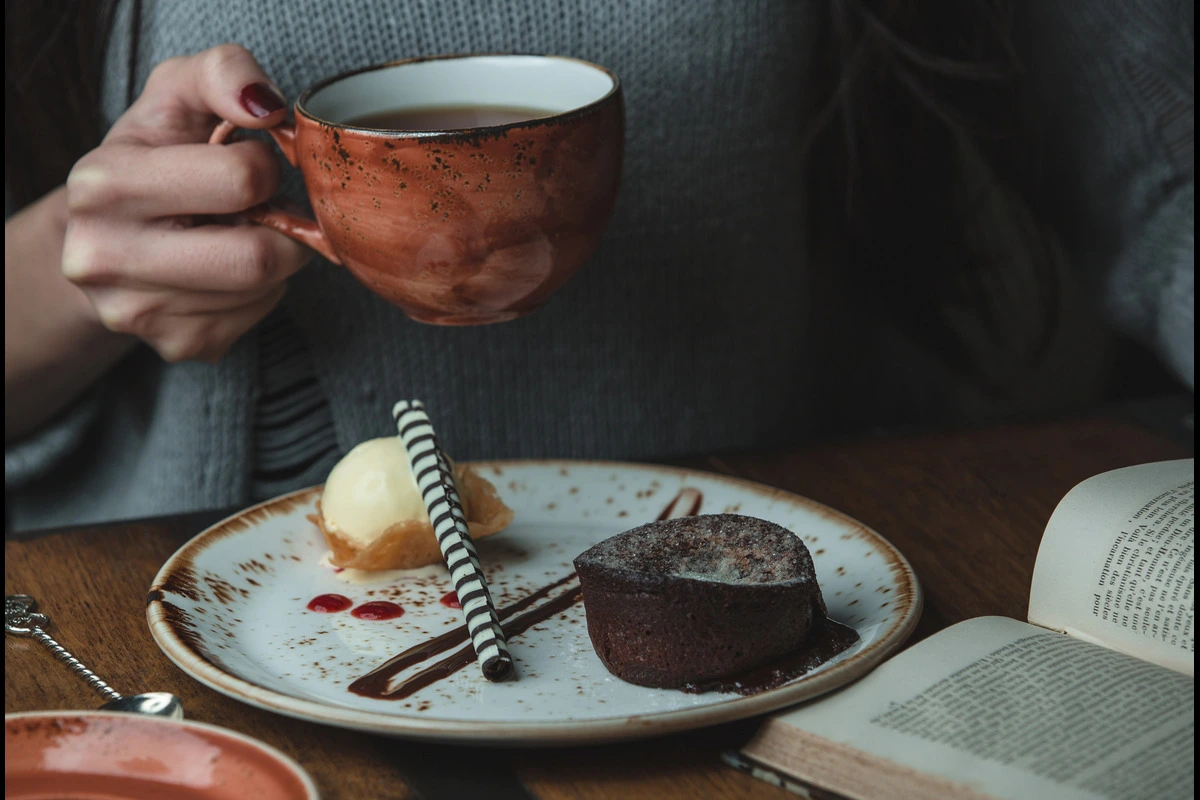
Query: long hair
{"points": [[54, 52], [919, 137]]}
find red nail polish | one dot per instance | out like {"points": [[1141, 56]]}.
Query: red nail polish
{"points": [[260, 100]]}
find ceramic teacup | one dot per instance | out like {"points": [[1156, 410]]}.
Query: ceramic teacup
{"points": [[465, 225]]}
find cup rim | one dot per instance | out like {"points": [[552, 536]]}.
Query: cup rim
{"points": [[221, 734], [300, 110]]}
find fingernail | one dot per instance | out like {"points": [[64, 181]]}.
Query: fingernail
{"points": [[260, 100]]}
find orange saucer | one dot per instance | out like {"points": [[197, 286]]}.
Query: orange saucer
{"points": [[101, 755]]}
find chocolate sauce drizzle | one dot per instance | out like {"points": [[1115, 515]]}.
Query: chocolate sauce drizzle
{"points": [[827, 641], [672, 511], [375, 683]]}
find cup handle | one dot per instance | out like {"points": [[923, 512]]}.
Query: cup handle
{"points": [[302, 229]]}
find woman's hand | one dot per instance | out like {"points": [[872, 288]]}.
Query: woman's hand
{"points": [[140, 241]]}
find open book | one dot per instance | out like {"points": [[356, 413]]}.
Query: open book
{"points": [[996, 708]]}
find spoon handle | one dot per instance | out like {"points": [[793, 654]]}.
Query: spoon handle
{"points": [[21, 620], [73, 663]]}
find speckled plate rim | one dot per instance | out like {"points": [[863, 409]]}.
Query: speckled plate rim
{"points": [[217, 731], [566, 732]]}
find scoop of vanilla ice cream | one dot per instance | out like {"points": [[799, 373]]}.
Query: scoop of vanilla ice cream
{"points": [[371, 489]]}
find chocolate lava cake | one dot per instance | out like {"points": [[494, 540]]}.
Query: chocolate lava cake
{"points": [[682, 601]]}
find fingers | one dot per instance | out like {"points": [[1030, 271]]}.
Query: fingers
{"points": [[189, 292], [157, 182], [207, 337], [181, 335], [210, 258], [184, 95]]}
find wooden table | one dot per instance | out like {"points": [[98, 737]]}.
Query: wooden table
{"points": [[966, 507]]}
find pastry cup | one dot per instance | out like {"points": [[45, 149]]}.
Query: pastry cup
{"points": [[411, 543]]}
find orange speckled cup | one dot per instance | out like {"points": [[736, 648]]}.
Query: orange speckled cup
{"points": [[457, 227]]}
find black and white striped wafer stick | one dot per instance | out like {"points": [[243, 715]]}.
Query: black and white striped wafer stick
{"points": [[435, 481]]}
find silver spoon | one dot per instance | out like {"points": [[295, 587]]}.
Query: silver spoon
{"points": [[20, 619]]}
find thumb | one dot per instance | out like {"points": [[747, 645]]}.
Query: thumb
{"points": [[183, 94]]}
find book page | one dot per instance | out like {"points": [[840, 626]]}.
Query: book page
{"points": [[995, 708], [1117, 563]]}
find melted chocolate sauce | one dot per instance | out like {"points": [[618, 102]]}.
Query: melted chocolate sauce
{"points": [[825, 643], [460, 659], [375, 682], [685, 494]]}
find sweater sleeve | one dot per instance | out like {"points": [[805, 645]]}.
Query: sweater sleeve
{"points": [[34, 455], [1112, 96], [1152, 288]]}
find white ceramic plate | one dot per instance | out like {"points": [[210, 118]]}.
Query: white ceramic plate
{"points": [[230, 608]]}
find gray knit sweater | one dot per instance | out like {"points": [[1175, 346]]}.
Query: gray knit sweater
{"points": [[696, 326]]}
